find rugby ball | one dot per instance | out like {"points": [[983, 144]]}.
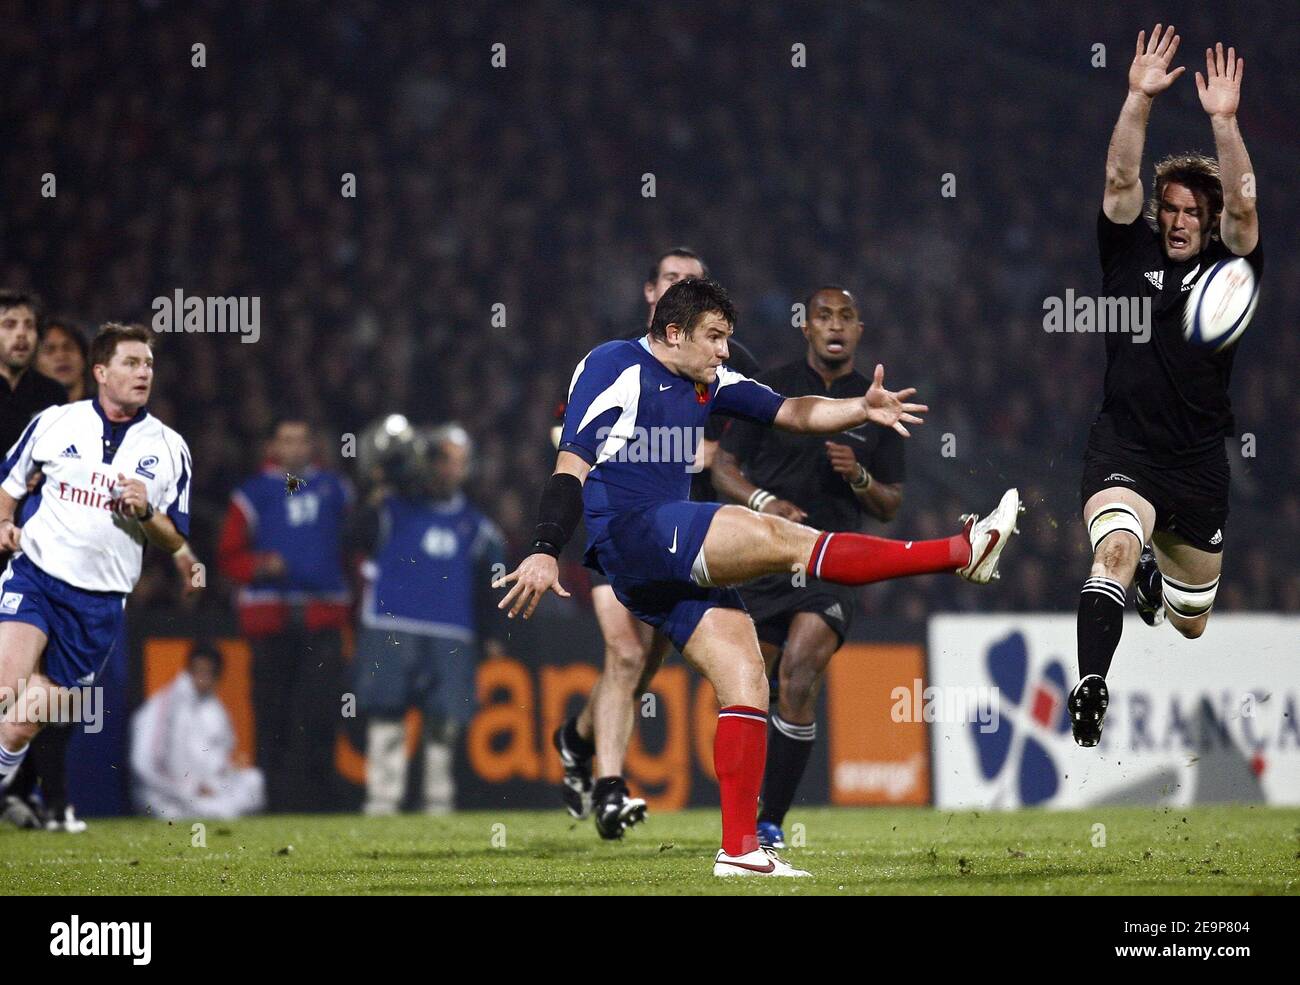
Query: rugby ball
{"points": [[1221, 304]]}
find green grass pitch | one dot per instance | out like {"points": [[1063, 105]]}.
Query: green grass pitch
{"points": [[1206, 850]]}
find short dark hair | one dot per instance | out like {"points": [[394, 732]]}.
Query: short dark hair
{"points": [[104, 346], [206, 650], [1200, 173], [677, 251], [687, 301], [10, 298], [808, 301]]}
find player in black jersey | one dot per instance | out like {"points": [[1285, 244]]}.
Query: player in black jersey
{"points": [[602, 730], [830, 484], [1155, 476]]}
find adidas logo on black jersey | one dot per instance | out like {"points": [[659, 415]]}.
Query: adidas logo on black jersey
{"points": [[1157, 278]]}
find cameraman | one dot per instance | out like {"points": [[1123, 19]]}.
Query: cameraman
{"points": [[427, 605], [282, 541]]}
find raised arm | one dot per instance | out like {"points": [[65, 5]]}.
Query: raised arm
{"points": [[1220, 92], [1148, 76], [828, 415]]}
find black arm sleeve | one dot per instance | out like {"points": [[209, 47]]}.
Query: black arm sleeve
{"points": [[558, 513]]}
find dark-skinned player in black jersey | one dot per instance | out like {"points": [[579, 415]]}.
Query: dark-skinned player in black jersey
{"points": [[1155, 477], [593, 744], [829, 482]]}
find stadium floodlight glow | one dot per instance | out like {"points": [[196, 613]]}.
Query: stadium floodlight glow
{"points": [[395, 424]]}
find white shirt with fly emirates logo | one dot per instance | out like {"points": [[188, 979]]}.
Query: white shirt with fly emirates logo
{"points": [[75, 532]]}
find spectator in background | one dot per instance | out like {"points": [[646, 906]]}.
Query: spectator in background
{"points": [[282, 543], [427, 605], [181, 746], [64, 356], [37, 797], [24, 391]]}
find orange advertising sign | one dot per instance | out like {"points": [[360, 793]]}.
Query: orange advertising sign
{"points": [[874, 758]]}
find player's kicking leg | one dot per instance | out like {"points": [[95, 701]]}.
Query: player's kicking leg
{"points": [[1119, 523], [742, 544]]}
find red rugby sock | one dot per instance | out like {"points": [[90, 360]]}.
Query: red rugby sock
{"points": [[858, 559], [739, 753]]}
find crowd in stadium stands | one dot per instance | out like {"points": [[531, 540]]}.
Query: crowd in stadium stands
{"points": [[502, 222]]}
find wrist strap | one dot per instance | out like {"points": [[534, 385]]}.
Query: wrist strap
{"points": [[863, 481], [758, 499]]}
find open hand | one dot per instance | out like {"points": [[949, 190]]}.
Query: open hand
{"points": [[1149, 74], [538, 574], [889, 409], [1220, 89]]}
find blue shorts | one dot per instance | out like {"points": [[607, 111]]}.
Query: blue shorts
{"points": [[82, 626], [647, 556], [396, 670]]}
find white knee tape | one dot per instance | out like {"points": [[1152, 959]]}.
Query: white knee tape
{"points": [[700, 570], [1112, 517], [1188, 601]]}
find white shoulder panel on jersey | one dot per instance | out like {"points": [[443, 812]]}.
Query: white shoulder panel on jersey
{"points": [[578, 372], [624, 392]]}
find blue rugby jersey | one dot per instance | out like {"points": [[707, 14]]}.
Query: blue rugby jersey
{"points": [[432, 568], [304, 527], [639, 425]]}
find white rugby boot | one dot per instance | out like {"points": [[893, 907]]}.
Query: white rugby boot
{"points": [[760, 862], [989, 536]]}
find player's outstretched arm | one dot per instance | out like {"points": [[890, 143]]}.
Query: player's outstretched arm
{"points": [[827, 415], [1220, 92], [557, 518], [1148, 76]]}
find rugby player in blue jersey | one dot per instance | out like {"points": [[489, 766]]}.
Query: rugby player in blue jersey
{"points": [[670, 560]]}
